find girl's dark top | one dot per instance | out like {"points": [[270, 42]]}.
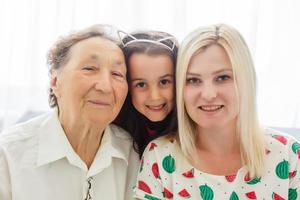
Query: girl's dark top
{"points": [[141, 128]]}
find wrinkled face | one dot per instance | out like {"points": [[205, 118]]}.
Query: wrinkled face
{"points": [[209, 95], [152, 85], [92, 85]]}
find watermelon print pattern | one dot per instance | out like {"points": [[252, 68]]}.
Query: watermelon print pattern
{"points": [[184, 193], [251, 181], [143, 186], [167, 194], [189, 174], [282, 169], [277, 197], [147, 196], [168, 164], [230, 178], [296, 148], [206, 192], [234, 196], [165, 175], [293, 194], [280, 139], [155, 170], [251, 195], [141, 165]]}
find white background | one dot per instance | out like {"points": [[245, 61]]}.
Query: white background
{"points": [[29, 27]]}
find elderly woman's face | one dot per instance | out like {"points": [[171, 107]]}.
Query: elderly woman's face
{"points": [[92, 85]]}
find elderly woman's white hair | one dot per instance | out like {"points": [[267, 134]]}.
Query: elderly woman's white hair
{"points": [[59, 53], [248, 129]]}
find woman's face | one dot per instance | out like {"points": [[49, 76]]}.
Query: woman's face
{"points": [[92, 85], [209, 95], [152, 85]]}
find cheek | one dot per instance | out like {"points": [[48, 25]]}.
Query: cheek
{"points": [[168, 93], [189, 98], [232, 96], [80, 84], [187, 95], [137, 98], [121, 91]]}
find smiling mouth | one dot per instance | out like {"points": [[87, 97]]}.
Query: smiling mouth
{"points": [[211, 108], [99, 103], [156, 108]]}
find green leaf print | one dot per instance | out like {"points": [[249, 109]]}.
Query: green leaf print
{"points": [[168, 164], [282, 169], [293, 194], [233, 196], [206, 192]]}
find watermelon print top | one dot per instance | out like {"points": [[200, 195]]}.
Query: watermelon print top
{"points": [[165, 174]]}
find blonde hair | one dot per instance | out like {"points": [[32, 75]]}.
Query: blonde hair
{"points": [[251, 138]]}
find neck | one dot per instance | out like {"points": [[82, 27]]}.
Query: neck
{"points": [[215, 147], [220, 141], [85, 138]]}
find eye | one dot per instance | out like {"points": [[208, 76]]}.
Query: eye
{"points": [[223, 78], [118, 74], [89, 68], [193, 81], [165, 82], [140, 85]]}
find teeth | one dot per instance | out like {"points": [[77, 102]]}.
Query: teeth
{"points": [[156, 107], [210, 108]]}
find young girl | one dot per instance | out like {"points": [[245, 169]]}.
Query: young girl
{"points": [[149, 109], [220, 151]]}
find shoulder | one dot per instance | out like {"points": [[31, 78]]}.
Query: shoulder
{"points": [[278, 140], [283, 155], [281, 147], [23, 131], [119, 132], [24, 136], [162, 144]]}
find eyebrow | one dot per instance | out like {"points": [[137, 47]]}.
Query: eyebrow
{"points": [[222, 70], [161, 77], [216, 72], [96, 58]]}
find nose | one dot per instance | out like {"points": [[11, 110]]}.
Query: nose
{"points": [[103, 82], [208, 92], [154, 93]]}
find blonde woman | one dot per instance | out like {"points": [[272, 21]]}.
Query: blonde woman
{"points": [[220, 150]]}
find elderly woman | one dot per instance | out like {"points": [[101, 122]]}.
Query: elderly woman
{"points": [[220, 151], [73, 152]]}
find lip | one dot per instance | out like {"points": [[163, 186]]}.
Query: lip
{"points": [[99, 103], [157, 107], [211, 108]]}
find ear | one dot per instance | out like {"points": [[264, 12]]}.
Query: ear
{"points": [[54, 83]]}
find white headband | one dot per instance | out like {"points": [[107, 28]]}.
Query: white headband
{"points": [[158, 42]]}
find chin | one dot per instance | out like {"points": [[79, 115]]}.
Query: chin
{"points": [[100, 120], [156, 119]]}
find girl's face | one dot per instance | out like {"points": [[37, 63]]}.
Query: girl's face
{"points": [[152, 85], [210, 95]]}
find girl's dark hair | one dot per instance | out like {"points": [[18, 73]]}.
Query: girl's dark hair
{"points": [[129, 118]]}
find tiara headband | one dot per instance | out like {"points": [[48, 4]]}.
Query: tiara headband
{"points": [[217, 33], [136, 40]]}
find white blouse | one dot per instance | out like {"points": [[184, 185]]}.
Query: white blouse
{"points": [[37, 162]]}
